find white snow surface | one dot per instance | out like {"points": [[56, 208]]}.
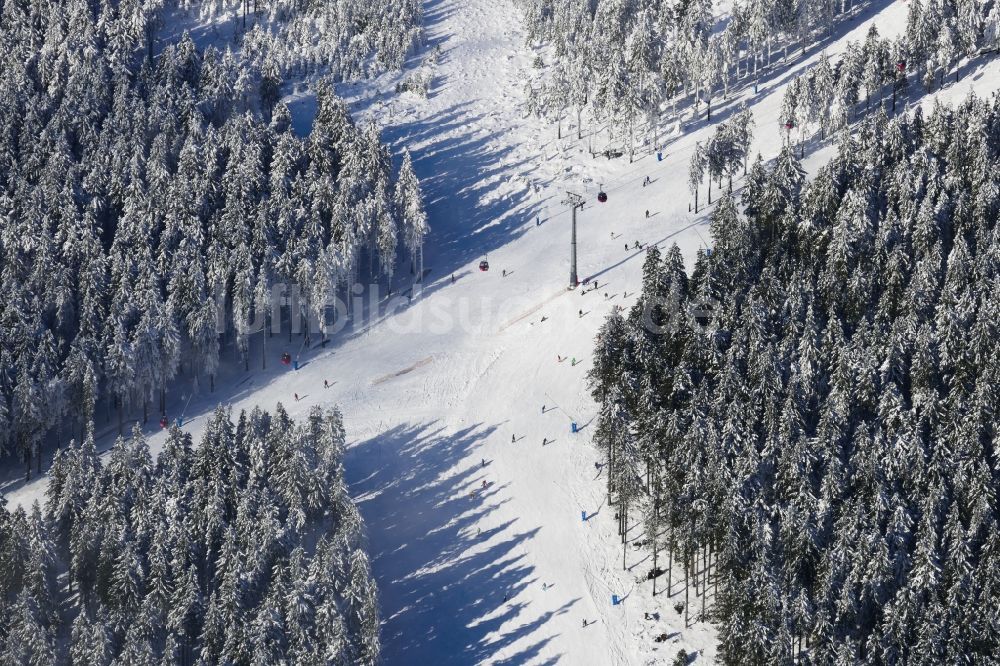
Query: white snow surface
{"points": [[445, 382]]}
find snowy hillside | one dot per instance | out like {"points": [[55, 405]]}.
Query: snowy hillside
{"points": [[460, 403]]}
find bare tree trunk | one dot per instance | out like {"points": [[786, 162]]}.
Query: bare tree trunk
{"points": [[704, 587], [263, 344], [610, 450], [687, 554], [654, 563], [695, 572], [670, 560], [624, 550]]}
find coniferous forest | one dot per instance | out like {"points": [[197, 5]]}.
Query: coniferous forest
{"points": [[243, 550], [806, 424], [150, 198], [631, 64], [147, 203], [793, 427]]}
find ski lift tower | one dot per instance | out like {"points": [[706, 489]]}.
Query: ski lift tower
{"points": [[574, 201]]}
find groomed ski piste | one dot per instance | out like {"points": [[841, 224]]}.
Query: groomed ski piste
{"points": [[475, 527]]}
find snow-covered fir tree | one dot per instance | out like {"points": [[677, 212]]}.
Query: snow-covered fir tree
{"points": [[626, 64], [819, 462], [246, 548], [152, 194]]}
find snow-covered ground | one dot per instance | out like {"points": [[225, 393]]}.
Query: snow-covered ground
{"points": [[509, 574]]}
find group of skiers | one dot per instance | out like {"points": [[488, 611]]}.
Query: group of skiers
{"points": [[326, 385]]}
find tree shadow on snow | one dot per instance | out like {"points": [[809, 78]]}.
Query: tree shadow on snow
{"points": [[461, 169], [442, 586]]}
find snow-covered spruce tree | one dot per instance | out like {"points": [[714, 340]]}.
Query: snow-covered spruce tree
{"points": [[621, 63], [144, 201], [206, 555], [939, 38], [410, 212], [823, 475]]}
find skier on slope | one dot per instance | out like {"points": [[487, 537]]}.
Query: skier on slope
{"points": [[326, 383], [296, 397], [483, 462], [513, 439], [647, 214]]}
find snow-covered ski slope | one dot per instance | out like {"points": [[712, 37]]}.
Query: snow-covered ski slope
{"points": [[506, 575]]}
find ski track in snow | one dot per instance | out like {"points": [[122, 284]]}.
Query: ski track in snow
{"points": [[425, 401]]}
